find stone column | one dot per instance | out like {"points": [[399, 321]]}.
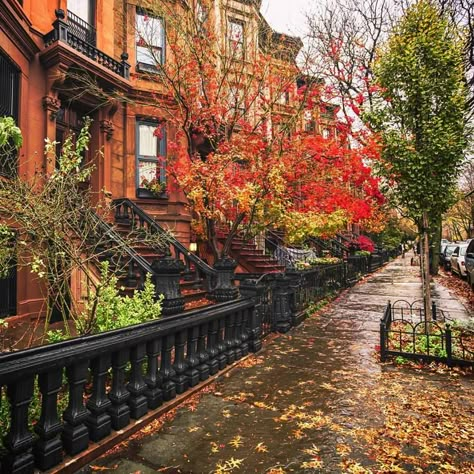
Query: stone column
{"points": [[225, 289], [281, 305], [167, 273]]}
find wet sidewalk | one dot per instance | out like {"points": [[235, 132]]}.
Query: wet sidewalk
{"points": [[317, 400]]}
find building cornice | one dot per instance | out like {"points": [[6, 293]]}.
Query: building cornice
{"points": [[16, 25]]}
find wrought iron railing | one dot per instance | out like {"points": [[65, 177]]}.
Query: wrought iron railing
{"points": [[356, 267], [376, 261], [122, 255], [75, 37], [405, 332], [50, 381], [81, 29], [126, 211]]}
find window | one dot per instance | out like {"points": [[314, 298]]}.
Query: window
{"points": [[9, 98], [309, 122], [81, 18], [150, 37], [151, 164], [82, 8], [201, 17], [236, 38], [8, 291]]}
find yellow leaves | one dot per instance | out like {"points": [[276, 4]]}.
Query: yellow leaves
{"points": [[298, 434], [343, 449], [265, 406], [192, 429], [353, 467], [236, 442], [313, 451], [300, 225], [313, 464], [228, 466], [261, 448]]}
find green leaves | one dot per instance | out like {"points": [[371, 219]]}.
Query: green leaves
{"points": [[107, 310], [421, 115], [9, 133]]}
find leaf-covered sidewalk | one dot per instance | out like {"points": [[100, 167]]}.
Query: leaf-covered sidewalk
{"points": [[317, 400]]}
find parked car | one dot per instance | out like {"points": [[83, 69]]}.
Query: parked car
{"points": [[469, 261], [458, 265], [445, 257]]}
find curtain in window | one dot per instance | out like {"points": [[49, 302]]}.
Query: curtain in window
{"points": [[81, 8], [147, 141]]}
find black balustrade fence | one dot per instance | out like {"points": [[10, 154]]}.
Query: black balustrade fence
{"points": [[356, 267], [57, 399], [101, 383], [405, 332]]}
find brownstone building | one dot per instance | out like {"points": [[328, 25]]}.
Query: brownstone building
{"points": [[44, 45], [41, 44]]}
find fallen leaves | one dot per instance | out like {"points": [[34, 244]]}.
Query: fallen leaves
{"points": [[228, 466], [236, 442], [261, 448]]}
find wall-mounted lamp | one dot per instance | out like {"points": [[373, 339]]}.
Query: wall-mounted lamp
{"points": [[193, 247]]}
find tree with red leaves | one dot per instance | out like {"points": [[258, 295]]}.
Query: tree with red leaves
{"points": [[239, 152]]}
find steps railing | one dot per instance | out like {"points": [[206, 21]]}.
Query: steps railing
{"points": [[135, 264], [126, 211]]}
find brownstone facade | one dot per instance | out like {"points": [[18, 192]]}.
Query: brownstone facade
{"points": [[43, 45]]}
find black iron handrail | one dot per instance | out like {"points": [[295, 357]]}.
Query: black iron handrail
{"points": [[127, 210], [326, 245], [116, 238], [81, 28], [179, 352]]}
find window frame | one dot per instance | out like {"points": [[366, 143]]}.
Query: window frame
{"points": [[10, 106], [143, 66], [233, 52], [161, 151]]}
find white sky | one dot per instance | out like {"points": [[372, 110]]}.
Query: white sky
{"points": [[287, 16]]}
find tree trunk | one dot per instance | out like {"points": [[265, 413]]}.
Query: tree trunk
{"points": [[436, 246], [425, 267]]}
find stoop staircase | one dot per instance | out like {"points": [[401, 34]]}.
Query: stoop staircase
{"points": [[134, 262]]}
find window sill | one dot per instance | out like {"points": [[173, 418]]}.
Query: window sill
{"points": [[145, 194], [147, 68]]}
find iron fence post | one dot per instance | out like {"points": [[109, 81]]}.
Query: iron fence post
{"points": [[433, 310], [60, 25], [449, 346], [250, 289], [382, 341], [225, 289], [281, 305]]}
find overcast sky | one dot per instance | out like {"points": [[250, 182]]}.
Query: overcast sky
{"points": [[286, 16]]}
